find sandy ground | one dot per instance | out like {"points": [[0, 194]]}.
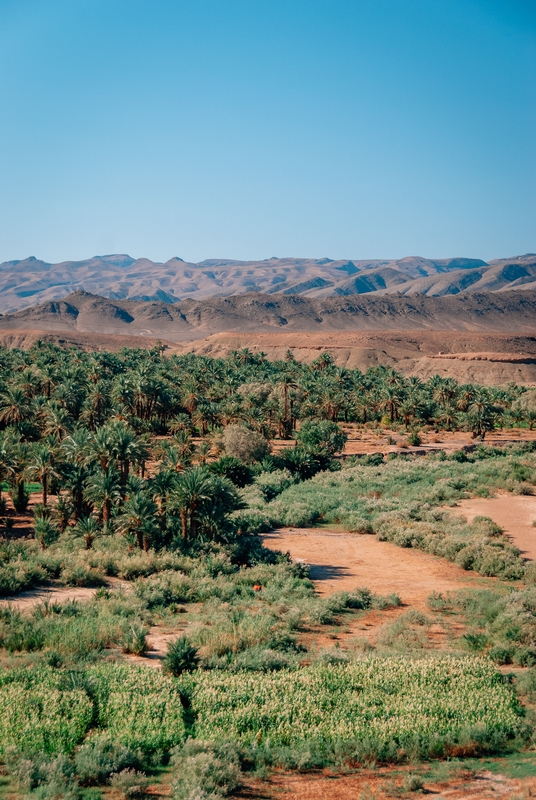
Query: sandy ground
{"points": [[367, 784], [55, 593], [51, 594], [514, 513], [344, 561], [364, 441]]}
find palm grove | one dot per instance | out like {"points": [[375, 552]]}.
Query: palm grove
{"points": [[156, 448]]}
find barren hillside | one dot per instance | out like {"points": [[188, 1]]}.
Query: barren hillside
{"points": [[488, 338], [194, 319], [30, 281]]}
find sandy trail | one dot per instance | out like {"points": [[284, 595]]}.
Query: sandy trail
{"points": [[343, 561], [514, 513], [57, 594]]}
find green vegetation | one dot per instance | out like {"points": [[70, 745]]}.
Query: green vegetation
{"points": [[391, 703], [396, 501], [158, 472], [388, 708], [500, 624]]}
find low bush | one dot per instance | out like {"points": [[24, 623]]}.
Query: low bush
{"points": [[380, 706], [137, 707], [37, 714], [396, 499], [204, 770], [135, 640], [129, 783], [501, 624], [99, 757]]}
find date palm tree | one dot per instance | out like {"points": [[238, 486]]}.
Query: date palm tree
{"points": [[126, 448], [193, 489], [57, 421], [18, 459], [481, 416], [15, 406], [103, 489], [88, 529], [138, 519], [40, 466]]}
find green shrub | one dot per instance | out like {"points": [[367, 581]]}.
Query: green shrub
{"points": [[204, 770], [526, 684], [99, 757], [181, 656], [414, 439], [135, 640], [259, 659], [129, 783], [412, 783], [232, 468], [321, 437], [372, 699], [273, 483]]}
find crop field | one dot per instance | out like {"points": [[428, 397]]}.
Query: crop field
{"points": [[385, 705]]}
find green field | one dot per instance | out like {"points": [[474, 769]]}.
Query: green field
{"points": [[380, 704]]}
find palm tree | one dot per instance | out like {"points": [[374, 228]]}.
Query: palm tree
{"points": [[161, 487], [75, 478], [17, 466], [193, 489], [137, 519], [76, 447], [6, 461], [87, 529], [391, 401], [203, 451], [100, 447], [103, 489], [40, 466], [15, 406], [48, 375], [57, 421], [126, 448], [28, 381], [481, 416], [448, 416], [285, 383]]}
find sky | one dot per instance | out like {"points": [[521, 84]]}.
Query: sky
{"points": [[257, 128]]}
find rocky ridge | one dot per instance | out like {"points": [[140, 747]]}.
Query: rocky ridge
{"points": [[27, 282]]}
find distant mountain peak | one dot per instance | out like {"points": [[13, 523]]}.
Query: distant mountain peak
{"points": [[119, 276]]}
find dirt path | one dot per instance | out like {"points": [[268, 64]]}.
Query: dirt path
{"points": [[343, 561], [56, 593], [514, 513]]}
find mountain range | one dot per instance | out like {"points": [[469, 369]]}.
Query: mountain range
{"points": [[193, 319], [31, 281]]}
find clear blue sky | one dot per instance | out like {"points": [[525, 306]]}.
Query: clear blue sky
{"points": [[258, 128]]}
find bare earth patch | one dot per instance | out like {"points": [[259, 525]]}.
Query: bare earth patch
{"points": [[514, 514], [379, 785], [57, 594], [344, 561]]}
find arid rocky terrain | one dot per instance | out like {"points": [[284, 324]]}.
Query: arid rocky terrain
{"points": [[30, 281], [488, 338], [194, 319]]}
